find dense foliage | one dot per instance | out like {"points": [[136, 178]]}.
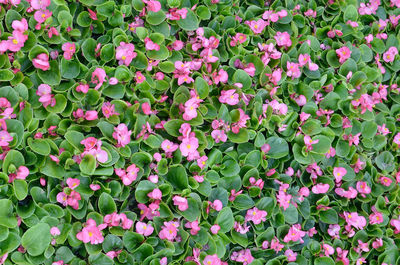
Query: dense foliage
{"points": [[204, 132]]}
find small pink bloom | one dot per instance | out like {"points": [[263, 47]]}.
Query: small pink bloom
{"points": [[150, 45], [73, 183], [144, 229], [256, 215], [140, 78], [98, 77], [320, 188], [214, 229], [84, 88], [152, 5], [338, 173], [283, 39], [94, 187], [291, 256], [343, 53], [122, 135], [181, 202], [69, 50], [194, 227], [229, 97], [54, 231], [41, 62], [91, 233], [125, 53]]}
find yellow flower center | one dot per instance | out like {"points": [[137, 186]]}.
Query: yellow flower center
{"points": [[188, 146], [43, 15], [90, 234], [15, 41], [123, 57]]}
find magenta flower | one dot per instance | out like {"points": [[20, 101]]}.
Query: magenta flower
{"points": [[293, 70], [108, 109], [355, 220], [257, 26], [41, 62], [256, 215], [194, 227], [219, 136], [363, 188], [91, 233], [294, 234], [152, 5], [181, 202], [73, 183], [212, 260], [84, 88], [189, 146], [168, 146], [150, 45], [144, 229], [244, 256], [129, 175]]}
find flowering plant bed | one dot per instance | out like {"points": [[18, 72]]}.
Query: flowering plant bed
{"points": [[202, 132]]}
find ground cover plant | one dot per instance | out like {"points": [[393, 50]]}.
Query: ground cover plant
{"points": [[204, 132]]}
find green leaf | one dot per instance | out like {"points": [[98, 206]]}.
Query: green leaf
{"points": [[202, 87], [329, 216], [190, 22], [69, 68], [225, 219], [324, 261], [193, 212], [378, 45], [6, 75], [177, 176], [88, 165], [279, 147], [61, 104], [144, 188], [291, 214], [20, 189], [240, 76], [155, 18], [350, 13], [131, 240], [241, 137], [7, 217], [106, 204], [36, 239], [385, 161], [52, 76], [39, 146], [323, 145]]}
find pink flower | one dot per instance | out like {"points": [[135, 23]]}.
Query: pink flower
{"points": [[377, 243], [84, 88], [214, 229], [309, 142], [150, 45], [396, 224], [98, 77], [385, 181], [283, 199], [293, 70], [140, 78], [338, 173], [69, 50], [125, 53], [257, 26], [383, 130], [244, 256], [229, 97], [5, 138], [212, 260], [144, 229], [283, 39], [41, 16], [92, 14], [181, 202], [355, 220], [91, 115], [156, 194], [219, 136], [376, 218], [221, 76], [108, 109], [46, 98], [217, 205], [201, 162], [129, 175], [40, 4], [343, 53], [54, 231], [169, 230], [390, 54], [320, 188], [168, 146], [256, 215], [363, 188], [41, 62], [291, 256], [91, 233], [350, 194], [122, 135], [294, 234], [73, 183], [189, 146], [152, 5], [328, 249], [194, 227], [94, 187]]}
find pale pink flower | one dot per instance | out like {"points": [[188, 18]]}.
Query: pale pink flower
{"points": [[41, 62], [293, 70], [219, 136], [73, 183], [355, 220], [108, 109], [320, 188], [144, 229], [94, 187], [69, 50], [283, 39], [291, 256], [212, 260], [84, 88], [156, 194], [168, 146], [257, 26], [338, 173], [229, 97], [181, 202], [122, 135], [256, 215], [54, 231], [194, 227], [243, 256], [328, 249], [201, 162], [150, 45], [363, 188], [46, 98], [152, 5], [125, 53], [169, 230], [294, 234], [309, 142]]}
